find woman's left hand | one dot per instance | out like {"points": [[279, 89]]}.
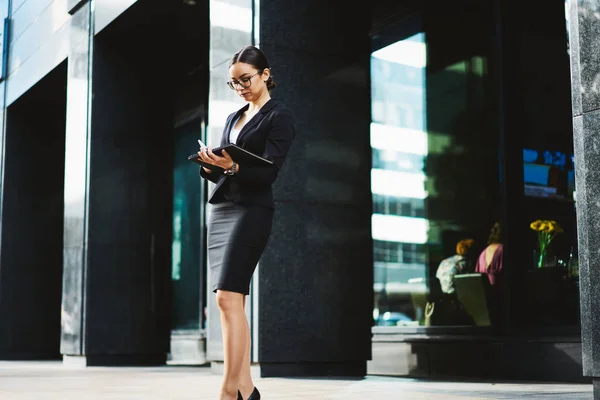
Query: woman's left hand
{"points": [[209, 157]]}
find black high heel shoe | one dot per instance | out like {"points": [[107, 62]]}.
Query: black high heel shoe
{"points": [[255, 395]]}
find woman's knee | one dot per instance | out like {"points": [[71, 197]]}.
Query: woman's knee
{"points": [[228, 301]]}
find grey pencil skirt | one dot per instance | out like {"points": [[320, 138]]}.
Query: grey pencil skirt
{"points": [[237, 237]]}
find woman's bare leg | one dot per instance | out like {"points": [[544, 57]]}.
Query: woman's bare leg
{"points": [[234, 325], [246, 385]]}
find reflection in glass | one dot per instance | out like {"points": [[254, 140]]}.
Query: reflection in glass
{"points": [[399, 142], [187, 246], [434, 183], [548, 184]]}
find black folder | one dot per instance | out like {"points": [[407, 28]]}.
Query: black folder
{"points": [[195, 159], [237, 154]]}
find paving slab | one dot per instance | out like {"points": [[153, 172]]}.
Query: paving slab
{"points": [[53, 380]]}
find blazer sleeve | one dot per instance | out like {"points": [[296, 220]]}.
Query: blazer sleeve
{"points": [[279, 140], [213, 176]]}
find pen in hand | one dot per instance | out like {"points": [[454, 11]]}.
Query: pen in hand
{"points": [[203, 147]]}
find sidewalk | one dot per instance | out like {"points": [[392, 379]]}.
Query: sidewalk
{"points": [[52, 380]]}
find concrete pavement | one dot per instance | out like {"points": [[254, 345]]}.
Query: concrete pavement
{"points": [[53, 380]]}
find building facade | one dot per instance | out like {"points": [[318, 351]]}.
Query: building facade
{"points": [[420, 125]]}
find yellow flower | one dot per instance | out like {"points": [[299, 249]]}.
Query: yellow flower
{"points": [[554, 227], [558, 229], [535, 225]]}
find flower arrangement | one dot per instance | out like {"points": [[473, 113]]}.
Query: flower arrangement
{"points": [[546, 232]]}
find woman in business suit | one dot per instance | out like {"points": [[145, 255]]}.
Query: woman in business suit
{"points": [[242, 212]]}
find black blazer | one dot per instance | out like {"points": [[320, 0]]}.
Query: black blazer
{"points": [[268, 134]]}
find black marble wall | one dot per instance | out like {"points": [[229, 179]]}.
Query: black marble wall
{"points": [[126, 263], [32, 222], [316, 276], [584, 34]]}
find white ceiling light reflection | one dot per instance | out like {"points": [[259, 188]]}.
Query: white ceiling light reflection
{"points": [[405, 140], [395, 228], [409, 185]]}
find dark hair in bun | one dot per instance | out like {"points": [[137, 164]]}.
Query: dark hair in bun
{"points": [[253, 56]]}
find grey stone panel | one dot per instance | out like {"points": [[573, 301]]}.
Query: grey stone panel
{"points": [[587, 173], [574, 55], [589, 53]]}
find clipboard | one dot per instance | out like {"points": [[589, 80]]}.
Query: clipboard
{"points": [[236, 153]]}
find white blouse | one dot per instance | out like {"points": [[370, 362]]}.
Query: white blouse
{"points": [[234, 133]]}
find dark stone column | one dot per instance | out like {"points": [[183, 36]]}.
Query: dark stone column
{"points": [[32, 141], [31, 245], [316, 276], [584, 34], [119, 192]]}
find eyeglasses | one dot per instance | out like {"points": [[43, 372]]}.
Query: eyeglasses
{"points": [[244, 83]]}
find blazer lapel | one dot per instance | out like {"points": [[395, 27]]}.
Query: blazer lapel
{"points": [[229, 125], [256, 119]]}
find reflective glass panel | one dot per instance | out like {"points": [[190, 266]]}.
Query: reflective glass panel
{"points": [[187, 247], [435, 178]]}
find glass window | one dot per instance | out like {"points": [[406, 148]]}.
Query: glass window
{"points": [[435, 176], [187, 249], [546, 287]]}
